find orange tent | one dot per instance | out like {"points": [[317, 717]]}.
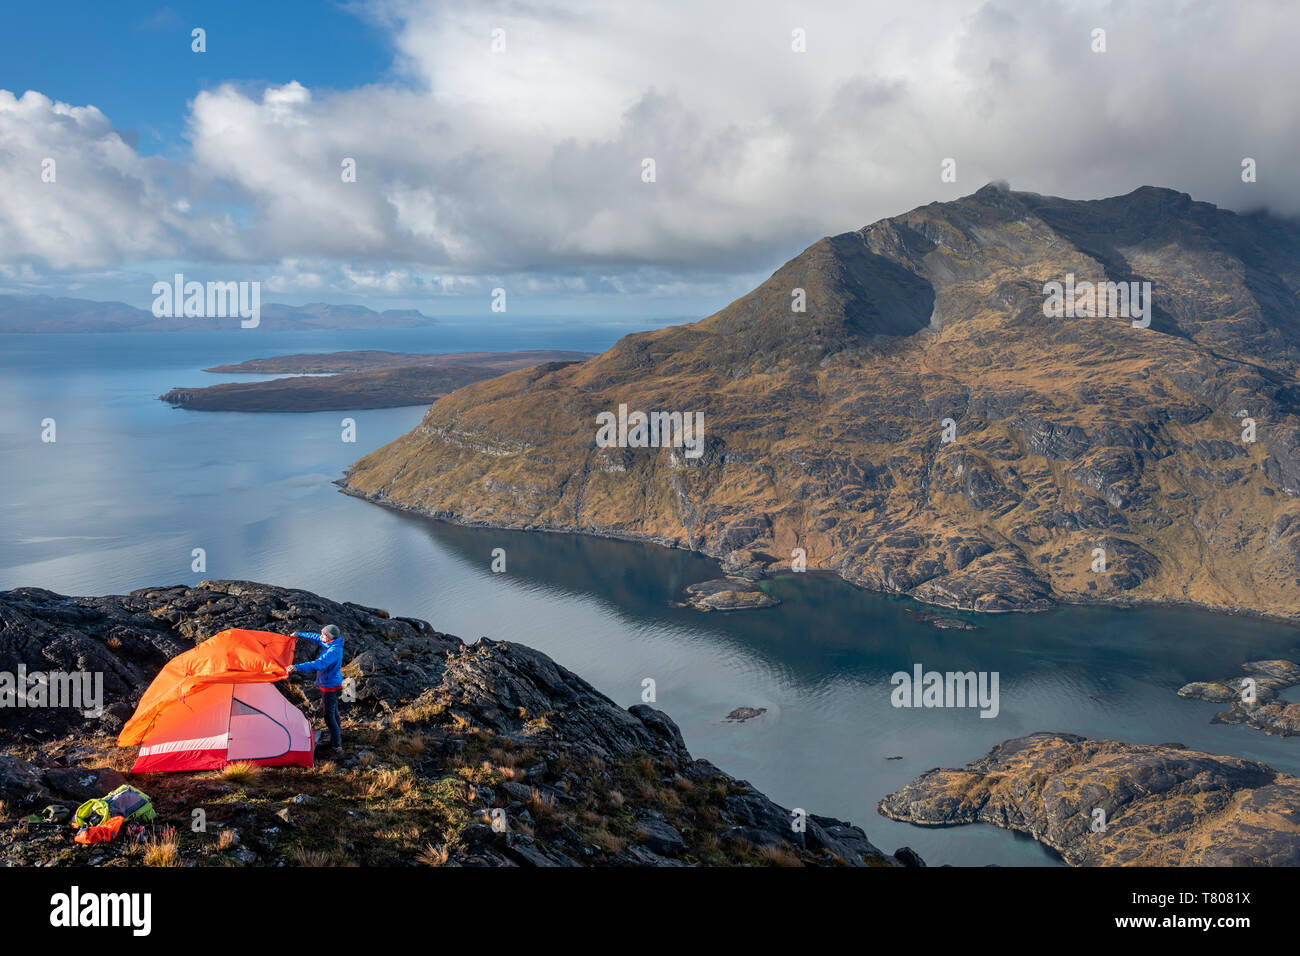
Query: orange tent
{"points": [[214, 704]]}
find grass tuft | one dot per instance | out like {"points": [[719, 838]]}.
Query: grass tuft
{"points": [[432, 855], [163, 848], [301, 856], [241, 771]]}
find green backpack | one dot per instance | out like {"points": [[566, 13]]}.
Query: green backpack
{"points": [[126, 801]]}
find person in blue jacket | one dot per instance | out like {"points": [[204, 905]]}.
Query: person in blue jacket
{"points": [[328, 668]]}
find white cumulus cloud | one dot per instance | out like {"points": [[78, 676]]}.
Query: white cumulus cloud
{"points": [[527, 159]]}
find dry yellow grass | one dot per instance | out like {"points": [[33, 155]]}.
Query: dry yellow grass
{"points": [[608, 841], [409, 745], [402, 833], [117, 758], [708, 843], [421, 710], [389, 782], [227, 840], [541, 805], [780, 855], [241, 771], [432, 855], [301, 856], [162, 848]]}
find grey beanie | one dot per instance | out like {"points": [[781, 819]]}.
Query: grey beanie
{"points": [[330, 631]]}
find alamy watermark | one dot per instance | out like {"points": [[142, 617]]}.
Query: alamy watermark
{"points": [[213, 300], [651, 430], [73, 909], [924, 688], [78, 690], [1087, 300]]}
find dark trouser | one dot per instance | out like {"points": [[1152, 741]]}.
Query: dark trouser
{"points": [[330, 704]]}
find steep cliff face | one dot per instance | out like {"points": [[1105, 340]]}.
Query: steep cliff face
{"points": [[824, 429]]}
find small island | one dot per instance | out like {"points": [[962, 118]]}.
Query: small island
{"points": [[1264, 711], [343, 381], [727, 594], [943, 622]]}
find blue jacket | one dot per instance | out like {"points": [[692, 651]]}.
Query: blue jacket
{"points": [[328, 667]]}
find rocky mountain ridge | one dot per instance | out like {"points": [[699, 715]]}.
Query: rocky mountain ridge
{"points": [[923, 427]]}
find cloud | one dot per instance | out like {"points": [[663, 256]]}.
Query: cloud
{"points": [[528, 161], [77, 195]]}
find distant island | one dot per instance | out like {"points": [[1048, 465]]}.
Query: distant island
{"points": [[340, 381], [44, 313], [367, 360]]}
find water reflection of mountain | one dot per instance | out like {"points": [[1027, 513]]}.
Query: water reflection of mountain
{"points": [[826, 626]]}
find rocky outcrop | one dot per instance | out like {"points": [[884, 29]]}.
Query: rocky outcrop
{"points": [[728, 594], [1254, 697], [922, 427], [943, 622], [127, 638], [512, 759], [1099, 802]]}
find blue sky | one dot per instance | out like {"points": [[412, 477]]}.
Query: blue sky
{"points": [[133, 60]]}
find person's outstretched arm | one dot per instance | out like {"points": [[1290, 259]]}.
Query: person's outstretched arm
{"points": [[332, 654]]}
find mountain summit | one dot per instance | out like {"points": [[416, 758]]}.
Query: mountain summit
{"points": [[908, 406]]}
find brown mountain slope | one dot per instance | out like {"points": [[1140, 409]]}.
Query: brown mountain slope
{"points": [[823, 428]]}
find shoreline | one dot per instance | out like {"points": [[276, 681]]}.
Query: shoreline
{"points": [[1057, 604]]}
